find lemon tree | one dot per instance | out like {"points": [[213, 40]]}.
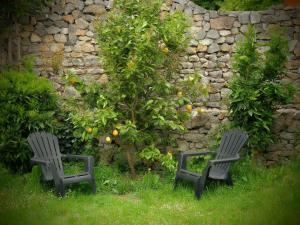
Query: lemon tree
{"points": [[140, 47]]}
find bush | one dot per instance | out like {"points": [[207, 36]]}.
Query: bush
{"points": [[27, 104], [208, 4], [233, 5], [247, 5], [257, 90]]}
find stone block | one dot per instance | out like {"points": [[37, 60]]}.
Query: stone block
{"points": [[226, 47], [194, 58], [53, 30], [69, 18], [201, 48], [225, 32], [255, 17], [60, 38], [69, 7], [244, 17], [206, 42], [213, 34], [213, 48], [95, 9], [221, 23], [215, 97], [81, 23], [35, 38], [57, 47]]}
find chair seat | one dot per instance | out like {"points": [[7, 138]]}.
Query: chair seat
{"points": [[70, 179], [188, 175], [217, 173]]}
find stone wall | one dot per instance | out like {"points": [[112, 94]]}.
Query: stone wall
{"points": [[63, 37]]}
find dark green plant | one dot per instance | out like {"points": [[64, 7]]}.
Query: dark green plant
{"points": [[257, 90], [27, 104], [247, 5], [233, 5], [209, 4]]}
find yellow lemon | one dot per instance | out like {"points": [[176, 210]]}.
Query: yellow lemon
{"points": [[179, 94], [108, 139], [73, 82], [191, 78], [130, 65], [189, 108], [89, 130], [115, 132], [200, 110], [165, 50]]}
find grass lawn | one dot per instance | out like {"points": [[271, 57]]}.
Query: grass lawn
{"points": [[260, 196]]}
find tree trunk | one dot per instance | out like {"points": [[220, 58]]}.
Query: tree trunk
{"points": [[9, 49], [17, 30], [129, 150]]}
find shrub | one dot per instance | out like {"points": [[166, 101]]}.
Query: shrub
{"points": [[257, 90], [247, 5], [208, 4], [233, 5], [140, 50], [27, 104]]}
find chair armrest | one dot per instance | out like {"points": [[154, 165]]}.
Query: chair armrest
{"points": [[88, 160], [217, 161], [35, 160], [184, 155], [50, 166], [187, 154], [81, 157]]}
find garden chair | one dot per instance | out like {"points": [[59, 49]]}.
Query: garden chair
{"points": [[46, 153], [217, 169]]}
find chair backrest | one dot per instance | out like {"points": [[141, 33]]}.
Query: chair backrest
{"points": [[231, 143], [45, 147]]}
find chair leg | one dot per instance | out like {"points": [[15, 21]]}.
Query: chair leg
{"points": [[229, 181], [93, 185], [60, 189], [175, 182], [199, 187]]}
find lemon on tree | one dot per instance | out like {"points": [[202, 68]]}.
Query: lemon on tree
{"points": [[108, 139], [89, 130], [115, 132], [189, 108]]}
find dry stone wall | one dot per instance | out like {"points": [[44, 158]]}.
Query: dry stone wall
{"points": [[63, 38]]}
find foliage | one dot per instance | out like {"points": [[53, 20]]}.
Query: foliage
{"points": [[27, 104], [247, 5], [153, 154], [209, 4], [64, 129], [256, 87], [14, 10], [233, 5], [140, 50]]}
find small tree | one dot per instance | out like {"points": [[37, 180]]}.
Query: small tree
{"points": [[140, 50], [257, 90]]}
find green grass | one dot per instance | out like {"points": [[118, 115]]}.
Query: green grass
{"points": [[260, 196]]}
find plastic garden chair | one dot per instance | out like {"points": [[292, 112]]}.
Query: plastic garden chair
{"points": [[217, 169], [47, 154]]}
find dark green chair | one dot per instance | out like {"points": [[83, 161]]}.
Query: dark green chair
{"points": [[216, 169], [47, 154]]}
